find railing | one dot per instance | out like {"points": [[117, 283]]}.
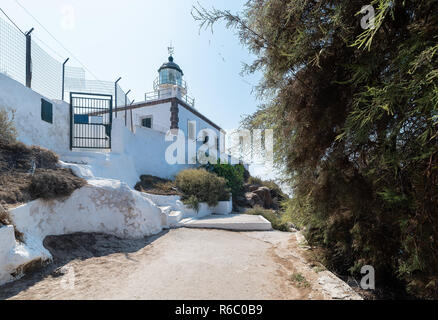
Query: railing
{"points": [[169, 93], [181, 83]]}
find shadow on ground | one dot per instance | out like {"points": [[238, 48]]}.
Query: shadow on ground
{"points": [[82, 246]]}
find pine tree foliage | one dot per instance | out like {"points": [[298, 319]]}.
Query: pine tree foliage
{"points": [[355, 114]]}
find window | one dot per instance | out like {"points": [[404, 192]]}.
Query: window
{"points": [[191, 127], [46, 111], [147, 122]]}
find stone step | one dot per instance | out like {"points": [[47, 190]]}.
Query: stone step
{"points": [[174, 217], [236, 222], [165, 211]]}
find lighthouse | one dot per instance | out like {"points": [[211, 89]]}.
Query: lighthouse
{"points": [[170, 82]]}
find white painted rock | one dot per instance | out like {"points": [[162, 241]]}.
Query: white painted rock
{"points": [[107, 206]]}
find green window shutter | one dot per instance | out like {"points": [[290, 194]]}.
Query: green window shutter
{"points": [[146, 122], [46, 111]]}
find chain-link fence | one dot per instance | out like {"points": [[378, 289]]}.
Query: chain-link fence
{"points": [[46, 72], [12, 52], [75, 82]]}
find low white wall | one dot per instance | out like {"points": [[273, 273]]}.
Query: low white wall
{"points": [[30, 128], [106, 206], [222, 208], [163, 200], [14, 254], [7, 244], [106, 165]]}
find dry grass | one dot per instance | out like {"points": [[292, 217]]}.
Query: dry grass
{"points": [[270, 215], [155, 185], [7, 131], [28, 173]]}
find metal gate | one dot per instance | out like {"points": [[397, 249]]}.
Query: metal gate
{"points": [[90, 120]]}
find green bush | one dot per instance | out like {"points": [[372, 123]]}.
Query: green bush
{"points": [[294, 211], [235, 176], [192, 202], [270, 215], [202, 185]]}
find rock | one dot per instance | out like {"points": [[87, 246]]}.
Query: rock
{"points": [[292, 227], [61, 271], [265, 195], [253, 199], [253, 187], [241, 201]]}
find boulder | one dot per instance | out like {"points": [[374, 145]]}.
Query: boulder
{"points": [[265, 196], [253, 187], [241, 201], [253, 199]]}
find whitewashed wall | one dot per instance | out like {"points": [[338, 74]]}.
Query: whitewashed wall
{"points": [[185, 116], [146, 148], [160, 116], [31, 129]]}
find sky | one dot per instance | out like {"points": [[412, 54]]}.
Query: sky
{"points": [[130, 39]]}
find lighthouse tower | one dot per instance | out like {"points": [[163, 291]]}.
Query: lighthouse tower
{"points": [[170, 81]]}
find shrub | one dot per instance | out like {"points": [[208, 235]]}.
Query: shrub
{"points": [[44, 158], [8, 133], [49, 184], [271, 216], [155, 185], [255, 180], [192, 202], [235, 176], [202, 185], [294, 211]]}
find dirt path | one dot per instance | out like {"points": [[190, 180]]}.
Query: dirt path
{"points": [[179, 264]]}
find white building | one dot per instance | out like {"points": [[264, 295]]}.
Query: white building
{"points": [[169, 107], [134, 141]]}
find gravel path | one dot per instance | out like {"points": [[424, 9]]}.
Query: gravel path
{"points": [[178, 264]]}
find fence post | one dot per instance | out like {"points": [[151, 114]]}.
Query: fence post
{"points": [[63, 77], [130, 110], [126, 110], [28, 58], [115, 94]]}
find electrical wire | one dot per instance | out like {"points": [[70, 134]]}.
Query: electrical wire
{"points": [[12, 21], [54, 38]]}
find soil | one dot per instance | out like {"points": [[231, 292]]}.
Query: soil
{"points": [[176, 264]]}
